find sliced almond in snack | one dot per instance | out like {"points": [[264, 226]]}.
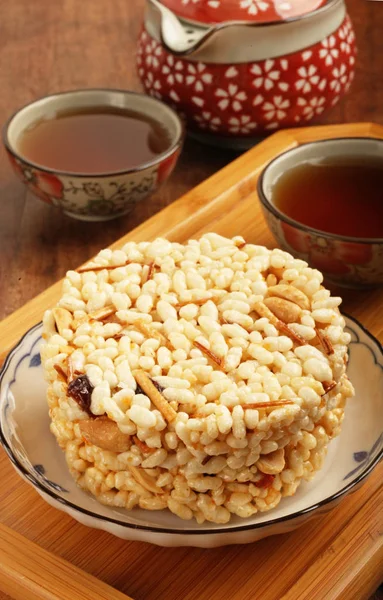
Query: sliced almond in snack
{"points": [[151, 267], [289, 292], [71, 369], [104, 433], [145, 480], [60, 372], [324, 341], [216, 359], [96, 268], [75, 367], [151, 332], [154, 395], [77, 322], [270, 404], [286, 311], [63, 319], [102, 313], [298, 339], [272, 463], [264, 311]]}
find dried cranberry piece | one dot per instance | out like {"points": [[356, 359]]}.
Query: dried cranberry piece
{"points": [[80, 389], [157, 386]]}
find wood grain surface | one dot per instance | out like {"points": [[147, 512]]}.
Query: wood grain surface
{"points": [[337, 557], [51, 46], [30, 573]]}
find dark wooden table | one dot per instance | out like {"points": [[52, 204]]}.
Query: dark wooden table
{"points": [[52, 46]]}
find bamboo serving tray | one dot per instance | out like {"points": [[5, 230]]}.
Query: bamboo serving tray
{"points": [[336, 557]]}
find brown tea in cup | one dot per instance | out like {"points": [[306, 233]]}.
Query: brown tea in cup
{"points": [[94, 140], [339, 195]]}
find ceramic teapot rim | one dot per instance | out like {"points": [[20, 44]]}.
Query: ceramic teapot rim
{"points": [[213, 27]]}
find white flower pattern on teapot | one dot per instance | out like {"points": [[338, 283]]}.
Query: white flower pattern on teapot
{"points": [[221, 93]]}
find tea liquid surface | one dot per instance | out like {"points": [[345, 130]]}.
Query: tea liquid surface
{"points": [[94, 140], [343, 196]]}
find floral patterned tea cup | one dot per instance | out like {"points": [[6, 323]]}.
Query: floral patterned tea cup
{"points": [[347, 261], [101, 196]]}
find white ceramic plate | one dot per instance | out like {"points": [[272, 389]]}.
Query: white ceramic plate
{"points": [[25, 435]]}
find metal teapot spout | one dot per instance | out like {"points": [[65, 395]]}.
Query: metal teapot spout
{"points": [[177, 38]]}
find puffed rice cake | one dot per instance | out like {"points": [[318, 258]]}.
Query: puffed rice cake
{"points": [[205, 378]]}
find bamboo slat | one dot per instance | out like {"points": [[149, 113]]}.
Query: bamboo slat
{"points": [[27, 572]]}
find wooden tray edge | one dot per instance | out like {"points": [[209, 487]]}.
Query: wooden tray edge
{"points": [[28, 572]]}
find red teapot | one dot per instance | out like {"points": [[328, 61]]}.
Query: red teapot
{"points": [[238, 69]]}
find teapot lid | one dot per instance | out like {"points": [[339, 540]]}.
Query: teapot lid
{"points": [[257, 11]]}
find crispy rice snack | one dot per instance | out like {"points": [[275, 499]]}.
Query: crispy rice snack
{"points": [[206, 378]]}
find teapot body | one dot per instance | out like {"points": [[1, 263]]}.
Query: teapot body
{"points": [[247, 80]]}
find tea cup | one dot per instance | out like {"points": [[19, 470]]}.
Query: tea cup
{"points": [[97, 196], [344, 260]]}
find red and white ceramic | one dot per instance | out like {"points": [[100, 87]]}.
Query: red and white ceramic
{"points": [[101, 196], [347, 261], [242, 68]]}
